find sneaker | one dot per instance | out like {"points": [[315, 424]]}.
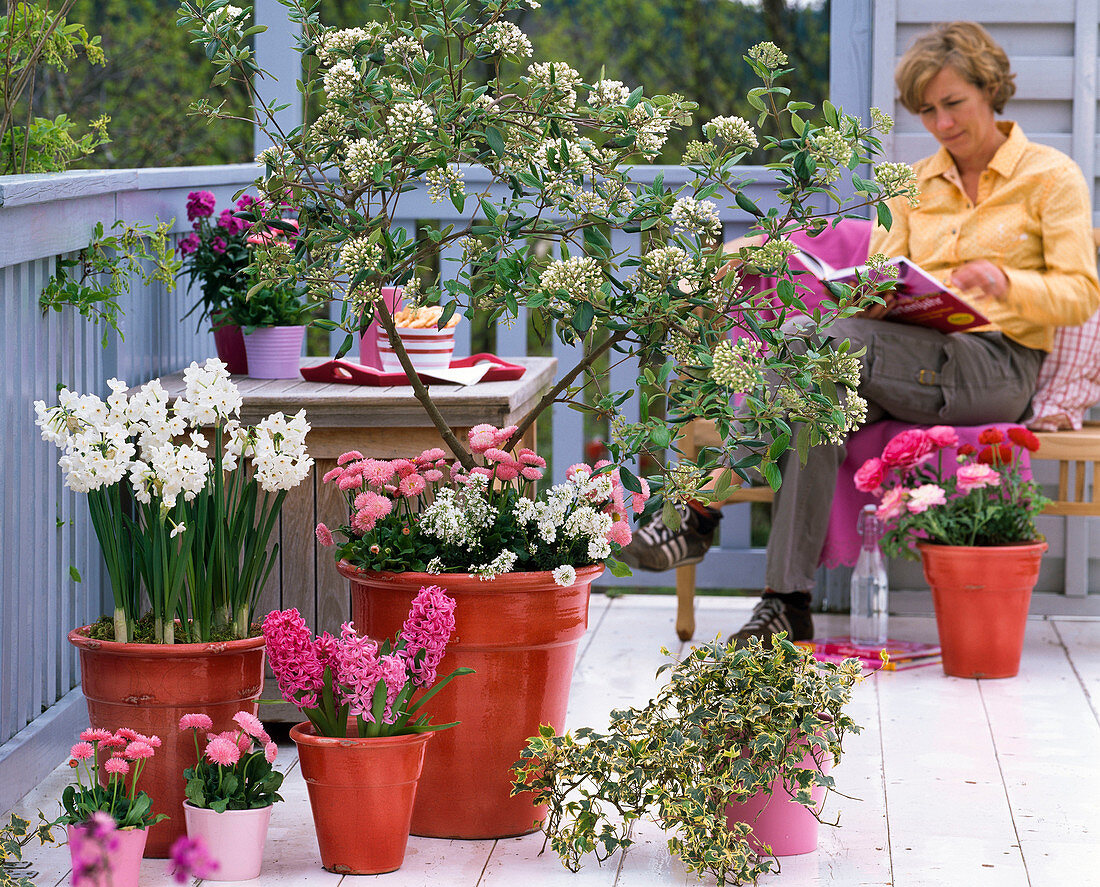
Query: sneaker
{"points": [[657, 548], [772, 615]]}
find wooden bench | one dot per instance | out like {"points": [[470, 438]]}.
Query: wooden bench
{"points": [[1072, 450]]}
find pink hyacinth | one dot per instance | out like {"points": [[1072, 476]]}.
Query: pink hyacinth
{"points": [[356, 669], [250, 724], [295, 657], [196, 722], [427, 628], [116, 766], [349, 456], [619, 533], [82, 751], [395, 675], [223, 752], [324, 535], [332, 475]]}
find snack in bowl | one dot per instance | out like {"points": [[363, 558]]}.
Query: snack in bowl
{"points": [[429, 347]]}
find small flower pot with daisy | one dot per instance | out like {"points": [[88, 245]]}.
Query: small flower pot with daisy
{"points": [[105, 815], [969, 513], [362, 748], [231, 791], [183, 499], [520, 566]]}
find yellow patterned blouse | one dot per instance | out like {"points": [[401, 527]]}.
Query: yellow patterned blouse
{"points": [[1032, 219]]}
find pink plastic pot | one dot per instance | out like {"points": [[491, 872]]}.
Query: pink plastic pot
{"points": [[123, 864], [274, 352], [235, 839], [368, 342], [780, 823]]}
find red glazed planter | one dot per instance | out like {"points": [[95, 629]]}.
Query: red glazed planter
{"points": [[361, 792], [229, 342], [149, 687], [981, 595], [519, 633]]}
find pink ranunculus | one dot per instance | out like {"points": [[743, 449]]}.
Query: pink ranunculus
{"points": [[868, 477], [924, 497], [324, 535], [619, 533], [892, 504], [974, 476], [908, 448], [943, 436], [197, 721]]}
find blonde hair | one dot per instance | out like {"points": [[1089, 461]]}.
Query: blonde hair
{"points": [[966, 47]]}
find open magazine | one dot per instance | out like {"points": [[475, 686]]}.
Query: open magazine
{"points": [[921, 299]]}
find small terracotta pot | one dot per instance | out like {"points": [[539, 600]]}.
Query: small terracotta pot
{"points": [[123, 863], [234, 839], [149, 687], [361, 792], [519, 632], [981, 595], [229, 342]]}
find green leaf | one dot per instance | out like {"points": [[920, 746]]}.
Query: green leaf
{"points": [[495, 138], [771, 474], [629, 481], [778, 447], [617, 568], [747, 205], [74, 574], [670, 515], [885, 218]]}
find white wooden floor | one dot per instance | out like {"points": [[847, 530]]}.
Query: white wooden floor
{"points": [[952, 782]]}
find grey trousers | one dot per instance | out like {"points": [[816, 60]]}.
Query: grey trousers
{"points": [[910, 373]]}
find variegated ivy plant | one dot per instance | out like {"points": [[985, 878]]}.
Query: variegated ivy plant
{"points": [[536, 157]]}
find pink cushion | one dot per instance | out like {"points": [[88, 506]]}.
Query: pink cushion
{"points": [[1069, 382]]}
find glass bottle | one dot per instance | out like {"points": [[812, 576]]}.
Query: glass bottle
{"points": [[869, 587]]}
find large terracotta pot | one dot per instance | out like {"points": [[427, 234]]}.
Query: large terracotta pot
{"points": [[361, 792], [981, 596], [149, 687], [519, 633], [229, 342]]}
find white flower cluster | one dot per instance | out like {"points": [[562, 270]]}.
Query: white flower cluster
{"points": [[831, 149], [579, 277], [362, 157], [881, 121], [503, 38], [841, 368], [331, 126], [342, 79], [359, 254], [608, 93], [278, 449], [338, 45], [565, 81], [407, 119], [441, 179], [735, 366], [898, 178], [502, 563], [772, 256], [209, 396], [679, 347], [696, 216], [732, 131], [567, 514], [458, 517], [768, 54], [663, 267], [565, 575], [652, 127], [404, 47], [102, 443]]}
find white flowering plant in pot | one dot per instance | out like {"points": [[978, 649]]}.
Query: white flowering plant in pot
{"points": [[394, 108], [183, 517]]}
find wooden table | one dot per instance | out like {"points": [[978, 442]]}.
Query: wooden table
{"points": [[384, 423]]}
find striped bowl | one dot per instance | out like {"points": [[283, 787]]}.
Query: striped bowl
{"points": [[429, 349]]}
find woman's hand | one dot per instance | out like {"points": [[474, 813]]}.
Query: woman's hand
{"points": [[876, 311], [983, 277]]}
